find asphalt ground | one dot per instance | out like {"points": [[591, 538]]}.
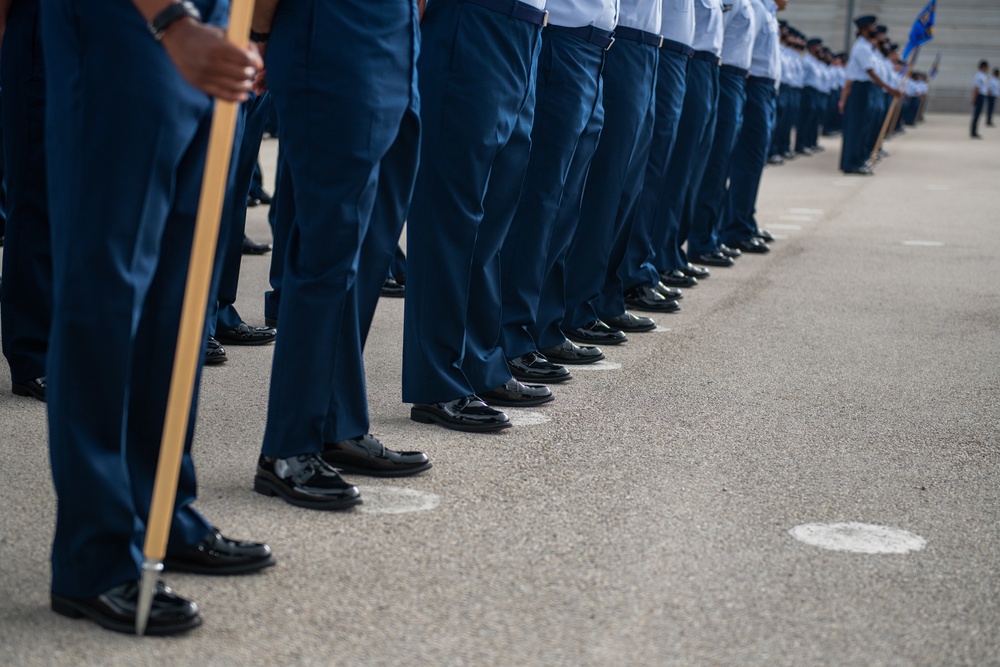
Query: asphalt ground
{"points": [[644, 517]]}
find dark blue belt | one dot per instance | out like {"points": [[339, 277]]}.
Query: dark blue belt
{"points": [[738, 71], [589, 33], [515, 10], [677, 47], [636, 35], [762, 79], [708, 56]]}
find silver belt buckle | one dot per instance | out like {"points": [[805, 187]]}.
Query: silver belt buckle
{"points": [[612, 43], [661, 42], [545, 19]]}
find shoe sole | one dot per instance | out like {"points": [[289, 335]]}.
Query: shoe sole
{"points": [[576, 362], [651, 309], [591, 341], [222, 570], [216, 361], [245, 343], [537, 380], [424, 417], [71, 609], [266, 487], [351, 470], [530, 403]]}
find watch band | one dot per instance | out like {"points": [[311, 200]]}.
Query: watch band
{"points": [[170, 15], [259, 37]]}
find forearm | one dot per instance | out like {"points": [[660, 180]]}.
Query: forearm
{"points": [[263, 15]]}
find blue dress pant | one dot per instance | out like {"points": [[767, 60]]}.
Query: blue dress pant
{"points": [[397, 267], [879, 107], [253, 115], [810, 112], [130, 135], [991, 102], [637, 267], [857, 123], [568, 119], [710, 198], [748, 161], [832, 122], [477, 85], [281, 217], [977, 111], [614, 182], [789, 101], [695, 134], [26, 297], [342, 76]]}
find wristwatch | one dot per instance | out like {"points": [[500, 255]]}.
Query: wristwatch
{"points": [[174, 12]]}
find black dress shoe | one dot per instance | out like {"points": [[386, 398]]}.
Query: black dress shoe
{"points": [[252, 202], [765, 236], [860, 171], [668, 293], [714, 259], [468, 413], [729, 252], [631, 323], [305, 481], [252, 248], [262, 196], [533, 367], [569, 352], [677, 278], [516, 394], [214, 353], [217, 554], [367, 456], [33, 388], [775, 159], [788, 155], [698, 272], [244, 334], [595, 333], [754, 245], [644, 297], [114, 609], [392, 288]]}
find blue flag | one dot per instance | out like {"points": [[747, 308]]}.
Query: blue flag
{"points": [[923, 29]]}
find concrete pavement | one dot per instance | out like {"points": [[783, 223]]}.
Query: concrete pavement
{"points": [[643, 518]]}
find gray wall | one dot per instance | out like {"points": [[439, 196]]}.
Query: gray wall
{"points": [[966, 32]]}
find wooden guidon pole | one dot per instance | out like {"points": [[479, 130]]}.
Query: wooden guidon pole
{"points": [[891, 114], [189, 338]]}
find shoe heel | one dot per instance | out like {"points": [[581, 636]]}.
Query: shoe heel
{"points": [[64, 608], [420, 417], [20, 391], [261, 486]]}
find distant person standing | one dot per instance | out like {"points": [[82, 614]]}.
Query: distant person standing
{"points": [[980, 92], [991, 99]]}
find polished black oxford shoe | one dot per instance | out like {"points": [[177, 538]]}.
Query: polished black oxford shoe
{"points": [[469, 413], [393, 288], [32, 388], [645, 297], [244, 334], [668, 293], [115, 609], [215, 354], [533, 367], [677, 278], [516, 394], [595, 332], [252, 248], [715, 259], [698, 272], [367, 456], [729, 252], [631, 323], [754, 246], [765, 236], [217, 554], [569, 352], [305, 481]]}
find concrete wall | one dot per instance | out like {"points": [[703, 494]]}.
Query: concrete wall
{"points": [[966, 32]]}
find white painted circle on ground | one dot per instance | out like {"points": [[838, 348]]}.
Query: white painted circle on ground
{"points": [[527, 417], [791, 228], [599, 366], [796, 218], [924, 244], [860, 538], [396, 500]]}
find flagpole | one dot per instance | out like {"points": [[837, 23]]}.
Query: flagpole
{"points": [[189, 337], [892, 111]]}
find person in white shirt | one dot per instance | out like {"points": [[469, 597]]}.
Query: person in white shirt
{"points": [[980, 91], [991, 100], [807, 132]]}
